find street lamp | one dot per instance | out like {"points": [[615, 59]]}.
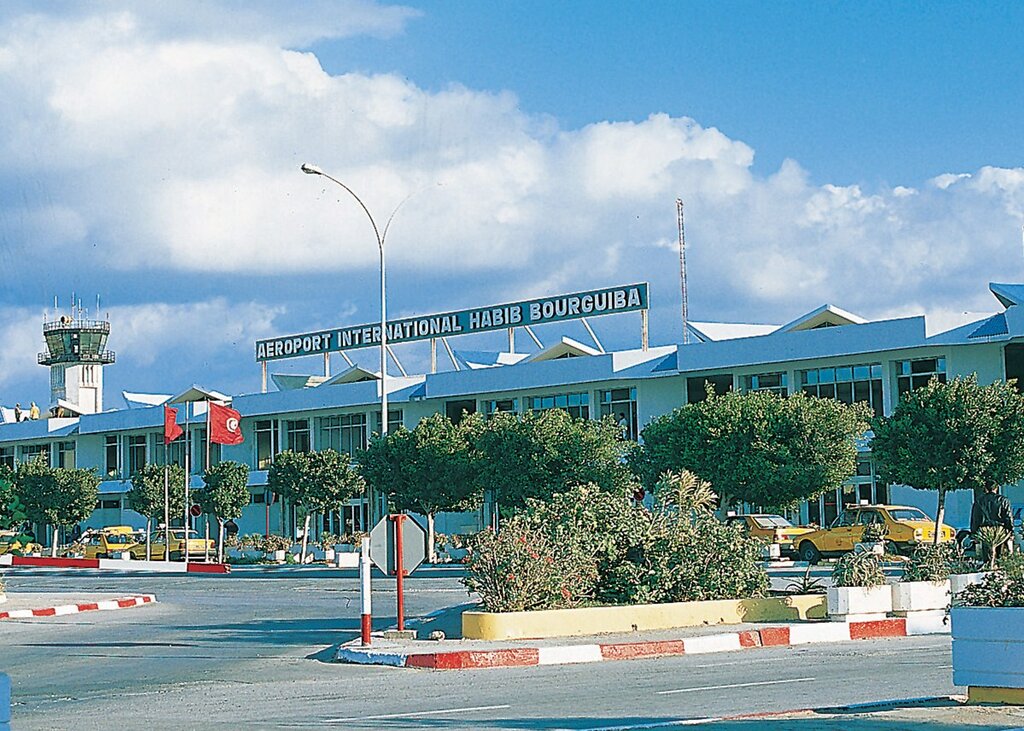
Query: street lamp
{"points": [[381, 236]]}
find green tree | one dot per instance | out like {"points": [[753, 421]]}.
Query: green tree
{"points": [[543, 453], [147, 494], [756, 447], [225, 496], [314, 482], [427, 470], [952, 436], [58, 497], [7, 497]]}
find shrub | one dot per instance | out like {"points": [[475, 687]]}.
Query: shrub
{"points": [[858, 569], [1003, 587], [934, 562], [329, 540], [276, 543], [874, 532], [992, 538], [588, 545], [252, 541]]}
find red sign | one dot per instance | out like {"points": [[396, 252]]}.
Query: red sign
{"points": [[225, 425], [195, 511]]}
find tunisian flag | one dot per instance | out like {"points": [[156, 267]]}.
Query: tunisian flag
{"points": [[224, 425], [171, 429]]}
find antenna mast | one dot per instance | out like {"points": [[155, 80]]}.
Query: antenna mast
{"points": [[682, 270]]}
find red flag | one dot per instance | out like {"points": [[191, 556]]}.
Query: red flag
{"points": [[225, 425], [171, 429]]}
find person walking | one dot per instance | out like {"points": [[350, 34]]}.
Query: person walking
{"points": [[993, 510]]}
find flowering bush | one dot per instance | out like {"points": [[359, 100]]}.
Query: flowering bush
{"points": [[1003, 587], [587, 545]]}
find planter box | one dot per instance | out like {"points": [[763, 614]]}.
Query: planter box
{"points": [[919, 596], [858, 603], [988, 652], [456, 554], [329, 555], [278, 556], [638, 617], [245, 553], [959, 582], [346, 560]]}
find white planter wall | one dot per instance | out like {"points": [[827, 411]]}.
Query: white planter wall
{"points": [[988, 647], [347, 560], [846, 603], [959, 582], [919, 596]]}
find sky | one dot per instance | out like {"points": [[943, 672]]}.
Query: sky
{"points": [[867, 155]]}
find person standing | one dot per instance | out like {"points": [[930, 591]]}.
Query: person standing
{"points": [[18, 413], [993, 510], [33, 412]]}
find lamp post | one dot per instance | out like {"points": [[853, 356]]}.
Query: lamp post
{"points": [[381, 236]]}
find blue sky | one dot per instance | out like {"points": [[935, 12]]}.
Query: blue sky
{"points": [[867, 155]]}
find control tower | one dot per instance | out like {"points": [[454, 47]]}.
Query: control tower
{"points": [[76, 353]]}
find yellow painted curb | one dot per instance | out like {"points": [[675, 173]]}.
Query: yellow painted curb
{"points": [[1006, 696], [639, 617]]}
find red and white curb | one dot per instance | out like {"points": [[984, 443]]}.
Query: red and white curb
{"points": [[59, 611], [782, 636], [115, 564]]}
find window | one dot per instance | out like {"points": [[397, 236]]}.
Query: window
{"points": [[296, 434], [136, 452], [7, 457], [258, 498], [66, 455], [776, 383], [200, 450], [696, 387], [909, 514], [395, 420], [114, 504], [57, 379], [620, 403], [491, 407], [911, 374], [577, 404], [345, 433], [111, 456], [30, 452], [849, 384], [266, 443]]}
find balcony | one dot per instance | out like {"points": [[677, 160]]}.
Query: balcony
{"points": [[102, 357]]}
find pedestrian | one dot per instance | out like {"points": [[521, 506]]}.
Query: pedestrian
{"points": [[18, 413], [993, 510], [33, 412], [624, 425]]}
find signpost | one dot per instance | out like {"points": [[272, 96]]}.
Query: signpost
{"points": [[397, 546]]}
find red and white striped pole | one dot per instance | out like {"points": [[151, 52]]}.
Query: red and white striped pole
{"points": [[364, 590]]}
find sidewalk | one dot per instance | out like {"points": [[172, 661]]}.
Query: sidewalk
{"points": [[28, 605], [453, 653]]}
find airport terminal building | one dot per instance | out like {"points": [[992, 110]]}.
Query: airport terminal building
{"points": [[829, 353]]}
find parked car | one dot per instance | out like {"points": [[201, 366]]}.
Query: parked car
{"points": [[907, 527], [105, 542], [17, 543], [198, 548], [773, 528]]}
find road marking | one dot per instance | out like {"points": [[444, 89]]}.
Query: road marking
{"points": [[415, 714], [732, 685], [655, 724]]}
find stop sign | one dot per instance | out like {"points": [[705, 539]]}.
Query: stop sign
{"points": [[382, 545]]}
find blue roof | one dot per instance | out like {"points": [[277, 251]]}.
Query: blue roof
{"points": [[995, 325], [1008, 294]]}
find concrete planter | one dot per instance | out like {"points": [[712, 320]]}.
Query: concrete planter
{"points": [[988, 653], [638, 617], [919, 596], [959, 582], [859, 603], [329, 555], [245, 553], [346, 560], [278, 556]]}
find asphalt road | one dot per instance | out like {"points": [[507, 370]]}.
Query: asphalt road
{"points": [[242, 652]]}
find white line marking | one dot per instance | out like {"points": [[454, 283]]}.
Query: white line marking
{"points": [[732, 685], [415, 714], [657, 724]]}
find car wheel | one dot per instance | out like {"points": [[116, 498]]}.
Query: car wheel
{"points": [[809, 552]]}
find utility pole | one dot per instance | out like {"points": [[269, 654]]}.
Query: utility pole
{"points": [[682, 270]]}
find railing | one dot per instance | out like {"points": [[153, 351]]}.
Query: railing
{"points": [[106, 357], [67, 323]]}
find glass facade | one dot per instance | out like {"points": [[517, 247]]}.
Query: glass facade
{"points": [[849, 384], [296, 435], [29, 452], [65, 455], [345, 433], [266, 443], [395, 420], [136, 452], [777, 383], [620, 403], [490, 407], [911, 374], [111, 456], [577, 404]]}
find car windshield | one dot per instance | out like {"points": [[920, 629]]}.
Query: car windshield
{"points": [[772, 521], [907, 514]]}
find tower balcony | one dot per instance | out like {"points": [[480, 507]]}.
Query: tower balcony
{"points": [[101, 357]]}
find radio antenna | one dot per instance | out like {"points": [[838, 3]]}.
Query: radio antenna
{"points": [[682, 270]]}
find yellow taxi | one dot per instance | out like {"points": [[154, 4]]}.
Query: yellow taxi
{"points": [[773, 528], [17, 544], [906, 526], [105, 542], [198, 548]]}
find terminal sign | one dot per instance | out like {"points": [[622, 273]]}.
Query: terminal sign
{"points": [[608, 301]]}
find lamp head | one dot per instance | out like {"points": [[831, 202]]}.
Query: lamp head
{"points": [[311, 169]]}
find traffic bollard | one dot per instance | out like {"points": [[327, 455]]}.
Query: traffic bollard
{"points": [[364, 591]]}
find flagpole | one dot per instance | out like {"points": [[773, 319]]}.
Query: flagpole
{"points": [[188, 450], [167, 505]]}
